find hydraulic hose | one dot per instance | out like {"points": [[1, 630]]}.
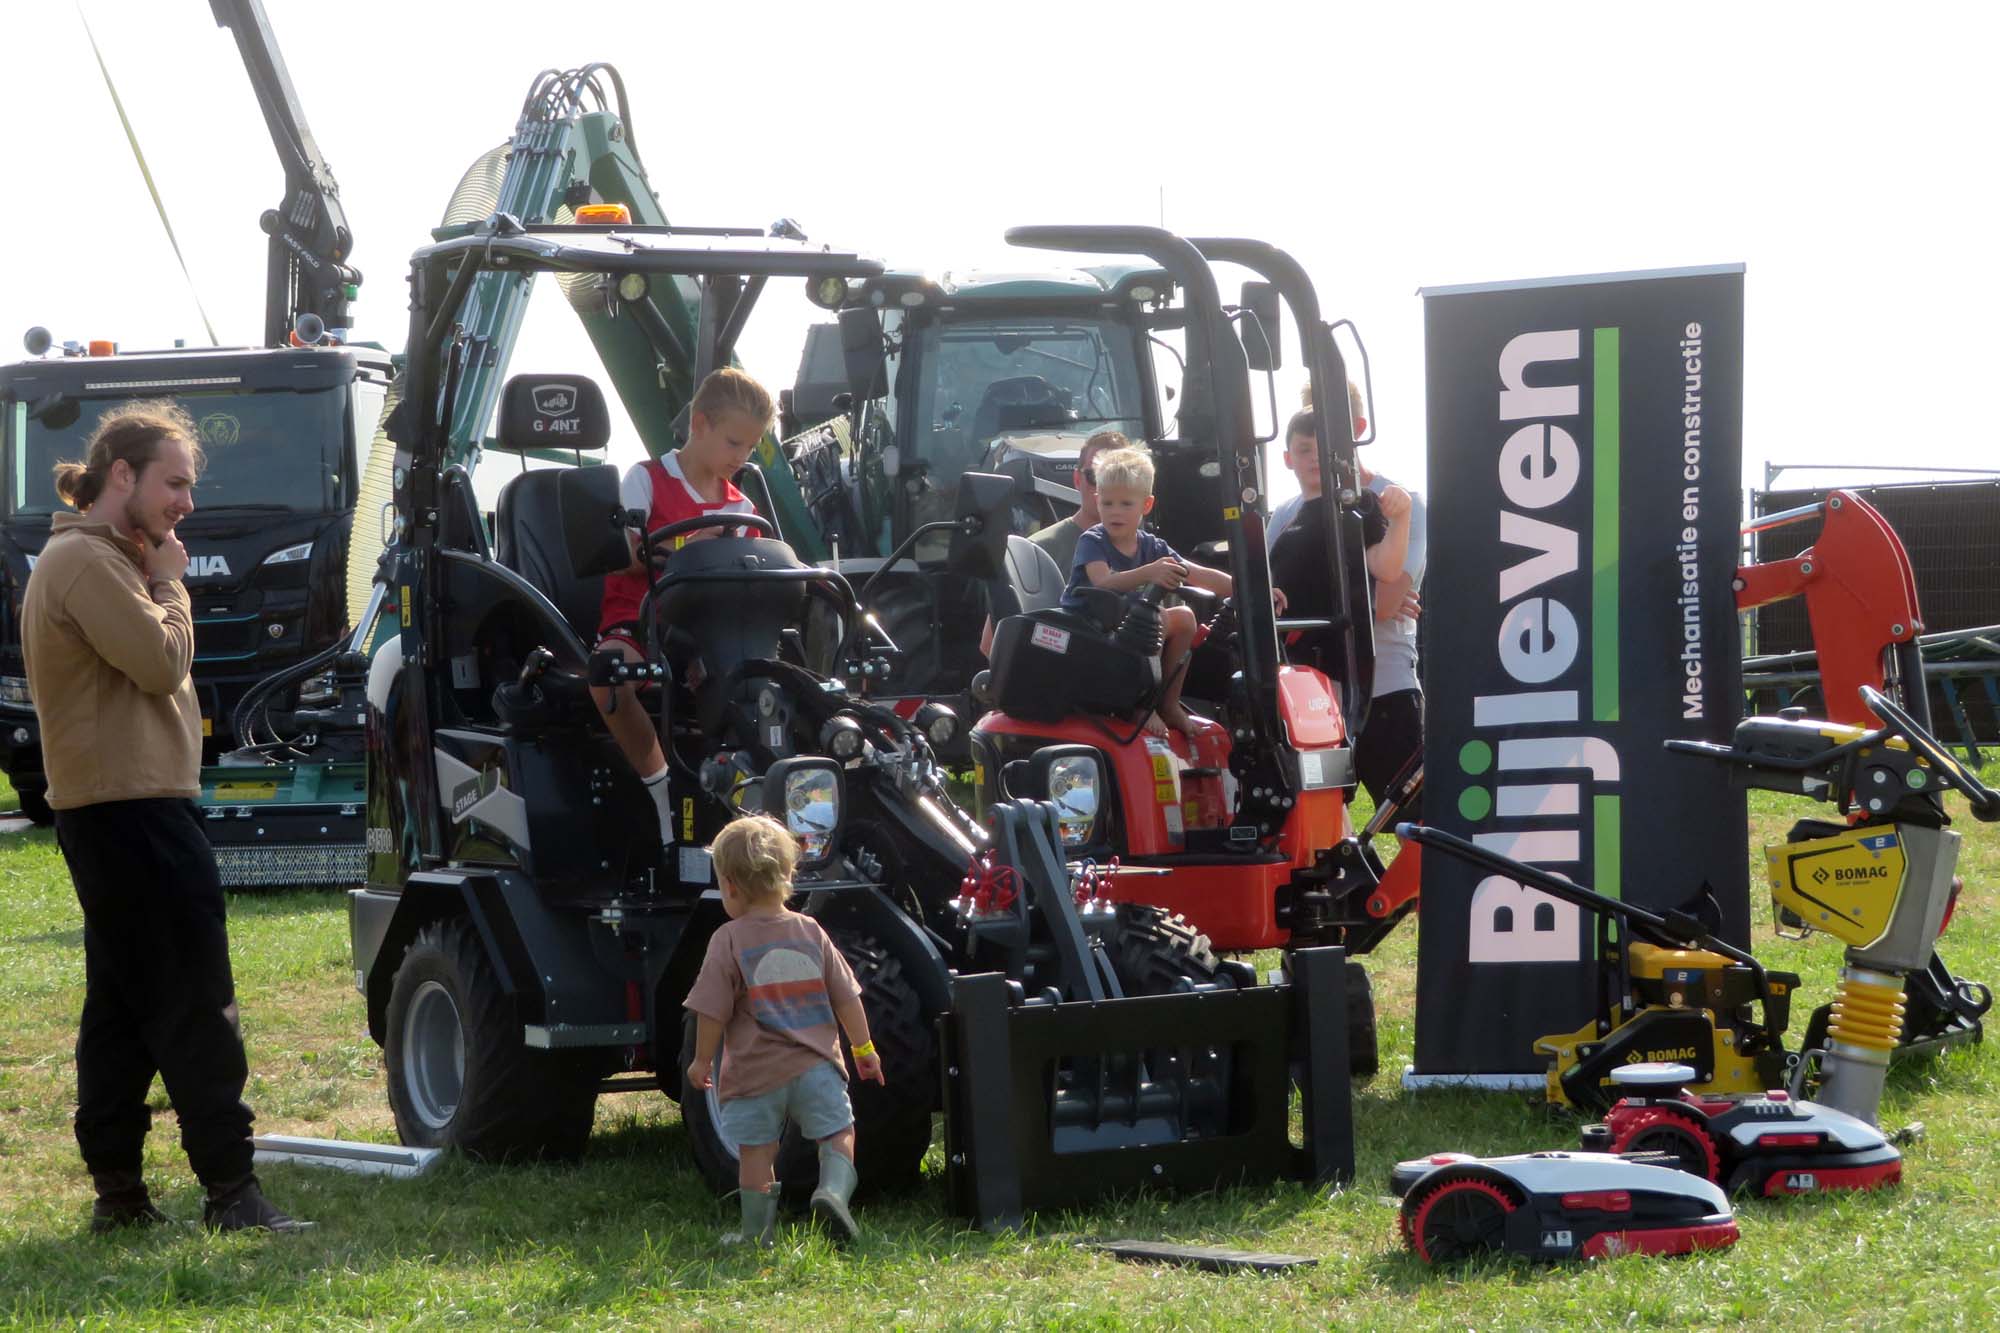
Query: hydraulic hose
{"points": [[255, 703]]}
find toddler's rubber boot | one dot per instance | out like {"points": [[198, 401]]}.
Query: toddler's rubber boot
{"points": [[837, 1179], [760, 1220], [122, 1202]]}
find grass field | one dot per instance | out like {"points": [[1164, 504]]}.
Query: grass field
{"points": [[628, 1238]]}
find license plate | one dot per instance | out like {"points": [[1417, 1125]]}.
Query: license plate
{"points": [[246, 791], [208, 726]]}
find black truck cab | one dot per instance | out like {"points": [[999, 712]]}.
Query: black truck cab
{"points": [[285, 433]]}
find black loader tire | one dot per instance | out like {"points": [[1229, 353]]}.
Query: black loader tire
{"points": [[35, 805], [1364, 1058], [487, 1094], [1151, 951], [892, 1122]]}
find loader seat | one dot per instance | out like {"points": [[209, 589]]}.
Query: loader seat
{"points": [[528, 539], [1025, 402], [1054, 664]]}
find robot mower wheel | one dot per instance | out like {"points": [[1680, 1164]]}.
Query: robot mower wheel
{"points": [[1657, 1130], [1457, 1219], [459, 1075]]}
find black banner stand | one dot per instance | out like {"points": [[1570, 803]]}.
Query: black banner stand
{"points": [[1584, 449]]}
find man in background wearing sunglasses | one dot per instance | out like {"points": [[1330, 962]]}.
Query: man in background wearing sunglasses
{"points": [[1059, 537]]}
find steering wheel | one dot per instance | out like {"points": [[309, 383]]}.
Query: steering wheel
{"points": [[1985, 801], [723, 519]]}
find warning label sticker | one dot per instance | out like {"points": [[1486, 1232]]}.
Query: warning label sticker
{"points": [[1051, 638]]}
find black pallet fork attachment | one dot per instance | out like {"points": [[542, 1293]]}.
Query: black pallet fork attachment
{"points": [[1053, 1103]]}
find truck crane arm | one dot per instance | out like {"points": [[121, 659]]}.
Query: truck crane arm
{"points": [[306, 272]]}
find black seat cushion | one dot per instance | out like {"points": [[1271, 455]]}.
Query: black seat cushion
{"points": [[528, 534]]}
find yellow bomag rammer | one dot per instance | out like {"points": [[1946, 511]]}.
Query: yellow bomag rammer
{"points": [[1883, 885]]}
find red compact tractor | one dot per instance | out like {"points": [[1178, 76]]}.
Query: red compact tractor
{"points": [[1242, 827]]}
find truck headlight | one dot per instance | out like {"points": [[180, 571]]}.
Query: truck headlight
{"points": [[803, 794], [290, 554], [14, 690]]}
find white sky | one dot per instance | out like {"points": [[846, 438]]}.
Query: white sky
{"points": [[1842, 152]]}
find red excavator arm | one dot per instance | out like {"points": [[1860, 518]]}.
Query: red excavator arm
{"points": [[1861, 601]]}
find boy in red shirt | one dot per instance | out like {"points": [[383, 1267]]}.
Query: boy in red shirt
{"points": [[771, 988], [729, 415]]}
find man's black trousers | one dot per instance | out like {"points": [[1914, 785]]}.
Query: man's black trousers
{"points": [[159, 996], [1392, 736]]}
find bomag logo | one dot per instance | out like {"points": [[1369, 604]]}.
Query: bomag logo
{"points": [[1664, 1055], [1849, 874]]}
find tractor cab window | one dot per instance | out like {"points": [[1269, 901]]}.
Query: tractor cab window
{"points": [[996, 389], [277, 452]]}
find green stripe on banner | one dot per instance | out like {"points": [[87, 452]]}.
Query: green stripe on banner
{"points": [[1604, 516], [1605, 848]]}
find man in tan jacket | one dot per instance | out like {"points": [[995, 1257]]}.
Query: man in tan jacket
{"points": [[109, 640]]}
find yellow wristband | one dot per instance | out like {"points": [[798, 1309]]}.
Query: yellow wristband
{"points": [[864, 1050]]}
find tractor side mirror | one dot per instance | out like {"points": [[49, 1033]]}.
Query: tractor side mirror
{"points": [[985, 512], [593, 520], [862, 352], [57, 411], [818, 390], [1258, 326]]}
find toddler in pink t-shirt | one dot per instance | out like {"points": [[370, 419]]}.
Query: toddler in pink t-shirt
{"points": [[774, 994]]}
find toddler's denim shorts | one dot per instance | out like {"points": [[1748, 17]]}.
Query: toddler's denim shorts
{"points": [[815, 1101]]}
